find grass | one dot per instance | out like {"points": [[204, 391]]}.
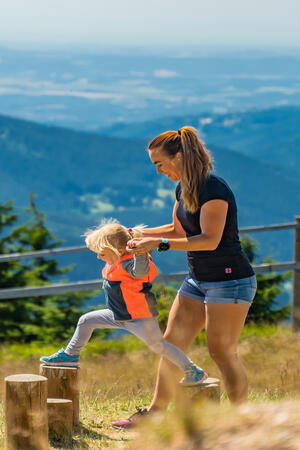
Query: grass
{"points": [[32, 351], [118, 376]]}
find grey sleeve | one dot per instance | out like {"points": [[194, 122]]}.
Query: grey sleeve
{"points": [[138, 267]]}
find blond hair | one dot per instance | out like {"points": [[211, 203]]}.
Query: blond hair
{"points": [[196, 162], [110, 234]]}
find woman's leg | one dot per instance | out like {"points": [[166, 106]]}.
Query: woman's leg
{"points": [[186, 320], [102, 318], [224, 323]]}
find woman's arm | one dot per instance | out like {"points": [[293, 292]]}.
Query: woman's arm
{"points": [[172, 230], [212, 222]]}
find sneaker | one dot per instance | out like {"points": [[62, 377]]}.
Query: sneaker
{"points": [[193, 376], [132, 420], [60, 359]]}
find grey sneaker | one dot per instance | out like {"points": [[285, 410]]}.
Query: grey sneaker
{"points": [[193, 375]]}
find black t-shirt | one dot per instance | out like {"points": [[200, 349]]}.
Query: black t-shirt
{"points": [[227, 261]]}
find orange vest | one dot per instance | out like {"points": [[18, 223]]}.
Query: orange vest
{"points": [[129, 298]]}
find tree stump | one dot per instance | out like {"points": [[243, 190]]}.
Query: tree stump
{"points": [[26, 420], [208, 390], [60, 419], [63, 382]]}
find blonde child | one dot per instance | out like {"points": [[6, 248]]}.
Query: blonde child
{"points": [[130, 303]]}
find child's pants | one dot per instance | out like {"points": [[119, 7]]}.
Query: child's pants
{"points": [[145, 329]]}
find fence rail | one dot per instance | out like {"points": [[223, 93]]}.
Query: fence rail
{"points": [[52, 289], [61, 288], [41, 253], [82, 248]]}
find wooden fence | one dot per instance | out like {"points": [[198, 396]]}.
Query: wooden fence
{"points": [[172, 277]]}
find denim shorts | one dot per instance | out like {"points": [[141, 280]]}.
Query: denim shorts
{"points": [[231, 291]]}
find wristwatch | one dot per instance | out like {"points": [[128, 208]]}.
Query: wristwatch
{"points": [[164, 245]]}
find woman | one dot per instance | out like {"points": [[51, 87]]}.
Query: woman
{"points": [[221, 284]]}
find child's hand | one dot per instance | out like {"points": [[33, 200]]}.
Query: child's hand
{"points": [[139, 246]]}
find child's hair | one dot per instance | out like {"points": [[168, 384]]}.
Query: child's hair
{"points": [[112, 235]]}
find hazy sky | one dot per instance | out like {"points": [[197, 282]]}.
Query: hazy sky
{"points": [[150, 22]]}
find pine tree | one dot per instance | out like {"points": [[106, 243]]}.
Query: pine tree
{"points": [[44, 318], [265, 308]]}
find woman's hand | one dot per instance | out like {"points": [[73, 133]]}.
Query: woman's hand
{"points": [[139, 246]]}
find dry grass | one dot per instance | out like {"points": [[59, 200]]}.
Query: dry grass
{"points": [[112, 385], [269, 426]]}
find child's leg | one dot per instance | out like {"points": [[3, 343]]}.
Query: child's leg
{"points": [[102, 318], [148, 331]]}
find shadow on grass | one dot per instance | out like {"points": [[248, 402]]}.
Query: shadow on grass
{"points": [[80, 434]]}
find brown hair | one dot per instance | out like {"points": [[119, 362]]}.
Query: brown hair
{"points": [[196, 162]]}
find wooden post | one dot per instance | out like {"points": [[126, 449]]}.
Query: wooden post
{"points": [[63, 382], [296, 283], [26, 422], [60, 419], [208, 390]]}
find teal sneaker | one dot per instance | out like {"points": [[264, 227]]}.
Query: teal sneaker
{"points": [[193, 375], [60, 359]]}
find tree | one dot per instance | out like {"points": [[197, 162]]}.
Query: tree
{"points": [[165, 295], [45, 318], [265, 308]]}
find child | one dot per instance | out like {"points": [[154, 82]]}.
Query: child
{"points": [[131, 305]]}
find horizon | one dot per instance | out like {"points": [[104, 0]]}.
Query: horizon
{"points": [[255, 23], [195, 50]]}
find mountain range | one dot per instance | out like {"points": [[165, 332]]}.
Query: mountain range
{"points": [[90, 91], [81, 177], [270, 135]]}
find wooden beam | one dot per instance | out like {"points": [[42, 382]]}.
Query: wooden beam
{"points": [[52, 289], [275, 227], [82, 248], [41, 253], [296, 281]]}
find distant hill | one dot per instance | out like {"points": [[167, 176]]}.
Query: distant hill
{"points": [[271, 135], [81, 177], [87, 90]]}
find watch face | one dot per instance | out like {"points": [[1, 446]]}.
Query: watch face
{"points": [[163, 247]]}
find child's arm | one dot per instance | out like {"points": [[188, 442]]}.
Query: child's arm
{"points": [[137, 267]]}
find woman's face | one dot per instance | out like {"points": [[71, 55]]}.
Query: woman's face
{"points": [[170, 167]]}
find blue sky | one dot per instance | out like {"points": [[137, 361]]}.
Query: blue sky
{"points": [[256, 23]]}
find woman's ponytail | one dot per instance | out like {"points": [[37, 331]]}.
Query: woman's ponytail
{"points": [[196, 166]]}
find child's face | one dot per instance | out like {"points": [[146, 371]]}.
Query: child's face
{"points": [[109, 256]]}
